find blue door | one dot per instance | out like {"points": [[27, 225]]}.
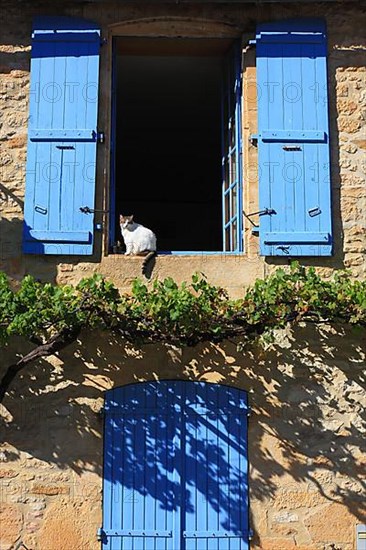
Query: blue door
{"points": [[175, 467]]}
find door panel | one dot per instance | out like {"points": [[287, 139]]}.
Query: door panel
{"points": [[175, 474]]}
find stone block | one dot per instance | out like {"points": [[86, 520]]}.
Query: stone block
{"points": [[348, 124], [11, 521], [333, 523], [50, 490]]}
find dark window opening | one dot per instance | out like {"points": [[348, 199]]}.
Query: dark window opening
{"points": [[168, 139]]}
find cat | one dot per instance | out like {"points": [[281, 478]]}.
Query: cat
{"points": [[139, 240]]}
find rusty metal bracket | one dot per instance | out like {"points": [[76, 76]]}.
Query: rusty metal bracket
{"points": [[264, 212], [88, 210]]}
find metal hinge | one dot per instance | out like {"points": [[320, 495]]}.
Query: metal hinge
{"points": [[285, 248], [253, 139], [98, 136], [103, 41], [101, 536]]}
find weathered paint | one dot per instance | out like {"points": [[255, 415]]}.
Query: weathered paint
{"points": [[62, 137], [175, 467], [293, 139]]}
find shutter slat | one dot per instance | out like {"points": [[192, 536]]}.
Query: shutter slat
{"points": [[304, 237], [62, 137], [67, 236], [293, 139]]}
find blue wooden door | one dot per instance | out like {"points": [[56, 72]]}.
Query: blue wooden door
{"points": [[175, 467], [62, 136]]}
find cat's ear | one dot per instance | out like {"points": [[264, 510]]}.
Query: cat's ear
{"points": [[130, 218]]}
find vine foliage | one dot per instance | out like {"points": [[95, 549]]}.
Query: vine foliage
{"points": [[52, 316]]}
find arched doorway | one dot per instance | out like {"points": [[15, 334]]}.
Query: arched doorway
{"points": [[175, 467]]}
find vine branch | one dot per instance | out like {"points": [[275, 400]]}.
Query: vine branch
{"points": [[52, 316], [55, 344]]}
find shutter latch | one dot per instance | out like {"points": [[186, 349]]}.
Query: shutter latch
{"points": [[88, 210], [292, 148], [314, 212], [264, 212]]}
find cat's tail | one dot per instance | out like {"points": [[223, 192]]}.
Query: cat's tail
{"points": [[147, 262]]}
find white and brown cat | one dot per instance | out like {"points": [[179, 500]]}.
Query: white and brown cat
{"points": [[138, 239]]}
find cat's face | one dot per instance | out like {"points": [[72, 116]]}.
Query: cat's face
{"points": [[125, 221]]}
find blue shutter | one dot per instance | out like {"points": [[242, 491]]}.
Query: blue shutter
{"points": [[62, 136], [231, 153], [175, 467], [293, 139], [214, 468]]}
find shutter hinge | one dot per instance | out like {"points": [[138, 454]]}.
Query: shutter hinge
{"points": [[253, 139], [249, 412], [98, 136], [103, 41], [285, 248], [101, 536], [250, 534]]}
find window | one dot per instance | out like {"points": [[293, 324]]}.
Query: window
{"points": [[176, 140]]}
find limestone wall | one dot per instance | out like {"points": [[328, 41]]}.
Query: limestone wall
{"points": [[306, 436], [346, 29]]}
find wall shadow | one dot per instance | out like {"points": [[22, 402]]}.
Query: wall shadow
{"points": [[307, 430]]}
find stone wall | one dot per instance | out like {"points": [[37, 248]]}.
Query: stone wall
{"points": [[346, 26], [306, 435]]}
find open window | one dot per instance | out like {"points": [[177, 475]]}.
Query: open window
{"points": [[176, 142]]}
